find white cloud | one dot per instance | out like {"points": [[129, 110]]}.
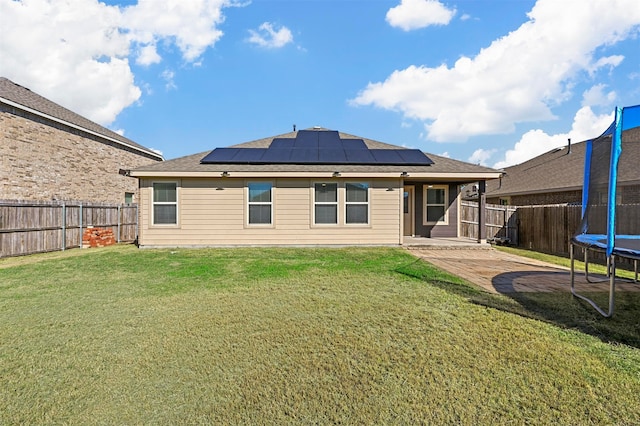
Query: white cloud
{"points": [[516, 79], [267, 36], [596, 96], [481, 156], [148, 55], [192, 24], [586, 125], [77, 52], [445, 154], [414, 14], [168, 76]]}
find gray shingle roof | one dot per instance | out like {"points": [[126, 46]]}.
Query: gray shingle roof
{"points": [[558, 170], [191, 163], [23, 96]]}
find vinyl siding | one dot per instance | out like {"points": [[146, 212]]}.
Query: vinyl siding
{"points": [[212, 212]]}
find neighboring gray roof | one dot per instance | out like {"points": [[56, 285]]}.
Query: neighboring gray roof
{"points": [[558, 170], [24, 97], [191, 163]]}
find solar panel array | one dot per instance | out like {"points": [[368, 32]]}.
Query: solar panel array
{"points": [[317, 147]]}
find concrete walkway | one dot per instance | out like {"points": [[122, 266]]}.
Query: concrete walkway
{"points": [[499, 272]]}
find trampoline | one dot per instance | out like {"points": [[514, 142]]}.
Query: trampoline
{"points": [[608, 225]]}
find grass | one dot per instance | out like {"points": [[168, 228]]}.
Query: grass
{"points": [[564, 261], [565, 310], [289, 336]]}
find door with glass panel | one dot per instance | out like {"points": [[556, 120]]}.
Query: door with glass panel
{"points": [[409, 211]]}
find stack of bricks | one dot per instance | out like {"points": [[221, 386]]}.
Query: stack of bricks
{"points": [[97, 237]]}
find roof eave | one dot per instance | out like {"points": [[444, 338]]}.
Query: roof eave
{"points": [[461, 177]]}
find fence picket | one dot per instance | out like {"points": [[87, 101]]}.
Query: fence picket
{"points": [[33, 227]]}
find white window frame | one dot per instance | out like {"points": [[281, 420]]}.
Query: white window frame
{"points": [[250, 203], [154, 203], [445, 204], [326, 203], [357, 203]]}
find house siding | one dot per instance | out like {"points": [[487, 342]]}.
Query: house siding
{"points": [[212, 212], [436, 231], [42, 160]]}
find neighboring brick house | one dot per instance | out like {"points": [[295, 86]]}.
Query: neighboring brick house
{"points": [[48, 152], [556, 177]]}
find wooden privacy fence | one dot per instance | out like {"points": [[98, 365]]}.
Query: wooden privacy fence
{"points": [[37, 228], [500, 222], [546, 228]]}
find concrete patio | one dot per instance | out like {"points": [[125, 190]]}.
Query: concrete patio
{"points": [[499, 272]]}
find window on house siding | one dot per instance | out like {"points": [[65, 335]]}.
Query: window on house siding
{"points": [[326, 203], [165, 203], [260, 203], [128, 197], [435, 211], [357, 203]]}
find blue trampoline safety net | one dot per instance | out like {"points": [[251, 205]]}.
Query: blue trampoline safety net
{"points": [[609, 221]]}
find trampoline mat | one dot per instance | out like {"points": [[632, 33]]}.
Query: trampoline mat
{"points": [[625, 245]]}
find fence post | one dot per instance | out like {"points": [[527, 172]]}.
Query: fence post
{"points": [[137, 223], [81, 233], [119, 220], [64, 227]]}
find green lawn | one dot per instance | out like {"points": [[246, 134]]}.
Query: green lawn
{"points": [[281, 336]]}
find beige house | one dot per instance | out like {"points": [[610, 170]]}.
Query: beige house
{"points": [[310, 187], [49, 153]]}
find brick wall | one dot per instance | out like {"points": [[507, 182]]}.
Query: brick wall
{"points": [[627, 195], [541, 199], [42, 160]]}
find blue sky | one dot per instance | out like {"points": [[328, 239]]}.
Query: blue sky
{"points": [[485, 81]]}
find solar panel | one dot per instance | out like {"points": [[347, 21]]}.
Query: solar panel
{"points": [[249, 155], [282, 143], [276, 156], [306, 139], [220, 155], [353, 144], [317, 147], [359, 156], [329, 140], [414, 156], [334, 156], [303, 155], [387, 156]]}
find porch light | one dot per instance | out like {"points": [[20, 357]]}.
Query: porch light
{"points": [[224, 174]]}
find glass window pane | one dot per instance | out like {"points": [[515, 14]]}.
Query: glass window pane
{"points": [[260, 192], [435, 196], [326, 192], [164, 192], [406, 202], [435, 213], [260, 214], [356, 192], [357, 213], [326, 213], [164, 214]]}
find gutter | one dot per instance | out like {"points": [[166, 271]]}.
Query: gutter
{"points": [[462, 177]]}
